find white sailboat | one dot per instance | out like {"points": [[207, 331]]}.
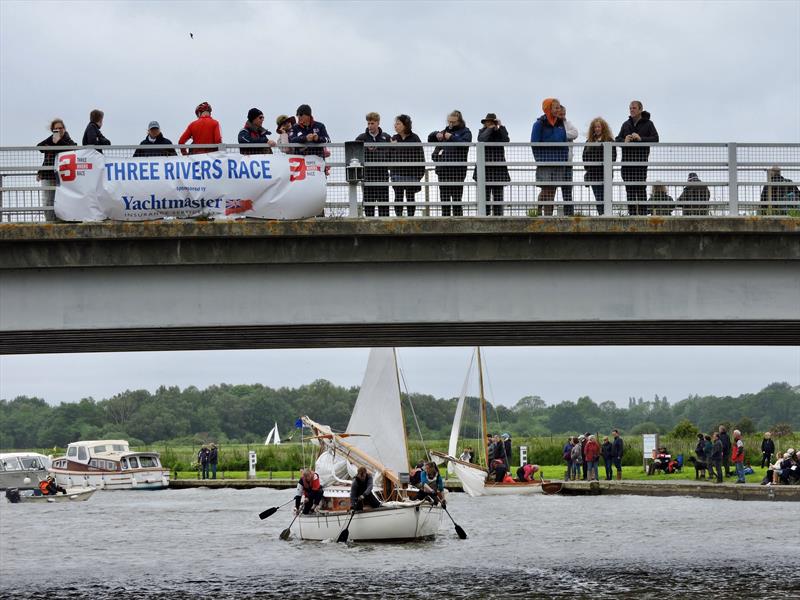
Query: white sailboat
{"points": [[375, 439], [475, 478], [273, 436]]}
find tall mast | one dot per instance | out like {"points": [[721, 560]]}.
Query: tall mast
{"points": [[402, 412], [483, 409]]}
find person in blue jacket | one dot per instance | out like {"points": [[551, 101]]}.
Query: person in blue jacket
{"points": [[456, 131], [549, 128], [308, 131]]}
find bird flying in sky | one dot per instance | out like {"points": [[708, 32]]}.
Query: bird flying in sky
{"points": [[191, 35]]}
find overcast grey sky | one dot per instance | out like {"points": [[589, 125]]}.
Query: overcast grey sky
{"points": [[715, 72]]}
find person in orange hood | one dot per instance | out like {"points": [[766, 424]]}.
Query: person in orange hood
{"points": [[549, 128]]}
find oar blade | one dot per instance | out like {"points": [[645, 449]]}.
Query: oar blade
{"points": [[286, 533], [268, 513], [460, 532], [342, 539]]}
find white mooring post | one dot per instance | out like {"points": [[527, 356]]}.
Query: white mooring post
{"points": [[251, 474]]}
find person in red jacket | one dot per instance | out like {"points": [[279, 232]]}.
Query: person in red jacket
{"points": [[204, 130], [737, 456], [591, 453]]}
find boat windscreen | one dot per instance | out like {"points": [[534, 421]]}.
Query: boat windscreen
{"points": [[11, 464], [31, 462], [148, 461]]}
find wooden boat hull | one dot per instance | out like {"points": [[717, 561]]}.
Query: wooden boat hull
{"points": [[72, 495], [473, 480], [394, 521]]}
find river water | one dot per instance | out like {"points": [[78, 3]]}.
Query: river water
{"points": [[202, 543]]}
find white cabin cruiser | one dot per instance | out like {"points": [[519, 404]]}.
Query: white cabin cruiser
{"points": [[109, 465], [22, 470]]}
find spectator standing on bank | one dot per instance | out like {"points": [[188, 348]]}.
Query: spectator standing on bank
{"points": [[154, 137], [411, 174], [455, 132], [717, 453], [695, 193], [778, 199], [254, 132], [493, 131], [284, 124], [92, 136], [767, 449], [567, 456], [726, 450], [659, 194], [738, 455], [591, 453], [308, 132], [577, 458], [572, 135], [549, 128], [213, 459], [59, 139], [202, 460], [709, 450], [599, 131], [373, 134], [618, 449], [637, 129], [203, 130], [607, 452]]}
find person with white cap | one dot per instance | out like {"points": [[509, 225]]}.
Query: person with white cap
{"points": [[154, 138]]}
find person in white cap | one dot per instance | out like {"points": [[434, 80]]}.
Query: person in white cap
{"points": [[154, 138]]}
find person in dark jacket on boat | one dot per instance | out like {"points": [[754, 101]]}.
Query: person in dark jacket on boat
{"points": [[154, 138], [456, 131], [58, 140], [49, 487], [617, 450], [373, 134], [767, 449], [637, 129], [254, 132], [92, 136], [431, 485], [507, 449], [498, 470], [411, 174], [607, 452], [493, 131], [361, 491], [415, 476], [726, 450]]}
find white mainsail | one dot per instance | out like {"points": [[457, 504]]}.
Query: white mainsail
{"points": [[277, 440], [269, 436], [453, 447], [378, 413]]}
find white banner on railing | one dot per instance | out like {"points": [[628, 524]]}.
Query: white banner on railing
{"points": [[219, 185]]}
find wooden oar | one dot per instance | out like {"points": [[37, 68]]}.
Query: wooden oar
{"points": [[271, 511], [346, 531], [459, 530], [288, 531]]}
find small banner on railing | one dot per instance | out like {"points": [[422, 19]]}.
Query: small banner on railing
{"points": [[218, 185]]}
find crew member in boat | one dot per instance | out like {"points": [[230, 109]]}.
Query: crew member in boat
{"points": [[498, 470], [415, 476], [48, 487], [313, 492], [298, 492], [432, 485], [526, 472], [361, 491]]}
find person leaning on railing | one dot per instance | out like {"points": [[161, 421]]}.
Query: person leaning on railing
{"points": [[58, 138], [456, 131], [203, 130], [599, 131], [778, 199], [659, 195], [638, 128], [309, 131], [494, 131], [254, 132], [154, 138], [92, 136], [410, 174], [373, 134]]}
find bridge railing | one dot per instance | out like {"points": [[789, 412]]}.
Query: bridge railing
{"points": [[477, 179]]}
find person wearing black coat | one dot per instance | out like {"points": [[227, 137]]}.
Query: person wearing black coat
{"points": [[493, 131], [154, 138], [411, 154], [638, 128], [692, 194], [58, 139], [617, 450], [375, 154], [599, 132], [92, 136], [767, 449], [456, 131], [726, 450], [607, 452]]}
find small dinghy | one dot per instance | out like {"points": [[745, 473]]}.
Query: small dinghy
{"points": [[75, 494]]}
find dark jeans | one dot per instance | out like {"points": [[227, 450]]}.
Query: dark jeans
{"points": [[451, 193], [204, 468], [399, 194], [213, 470], [566, 193], [726, 462], [599, 196], [608, 468], [494, 193], [376, 194], [636, 194], [314, 498], [618, 464], [718, 468], [369, 500], [766, 459]]}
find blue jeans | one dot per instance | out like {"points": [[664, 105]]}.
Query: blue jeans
{"points": [[591, 469], [618, 465], [205, 471], [739, 471], [213, 470], [608, 468], [576, 471]]}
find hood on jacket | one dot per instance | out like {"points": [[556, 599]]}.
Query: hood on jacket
{"points": [[260, 130], [547, 104]]}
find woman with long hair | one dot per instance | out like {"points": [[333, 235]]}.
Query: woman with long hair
{"points": [[411, 174], [599, 131]]}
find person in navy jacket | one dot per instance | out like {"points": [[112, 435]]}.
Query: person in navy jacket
{"points": [[308, 131], [549, 128], [372, 154], [456, 131]]}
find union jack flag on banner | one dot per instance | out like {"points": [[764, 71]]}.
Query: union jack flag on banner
{"points": [[237, 205]]}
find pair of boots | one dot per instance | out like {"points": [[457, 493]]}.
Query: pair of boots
{"points": [[619, 476]]}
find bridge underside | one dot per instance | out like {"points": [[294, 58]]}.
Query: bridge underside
{"points": [[604, 333]]}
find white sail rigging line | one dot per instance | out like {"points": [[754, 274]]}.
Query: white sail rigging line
{"points": [[454, 432]]}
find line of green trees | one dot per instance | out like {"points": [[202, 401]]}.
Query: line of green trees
{"points": [[245, 413]]}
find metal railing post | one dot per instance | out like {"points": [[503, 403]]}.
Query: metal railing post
{"points": [[352, 195], [426, 179], [608, 179], [480, 177], [733, 181]]}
